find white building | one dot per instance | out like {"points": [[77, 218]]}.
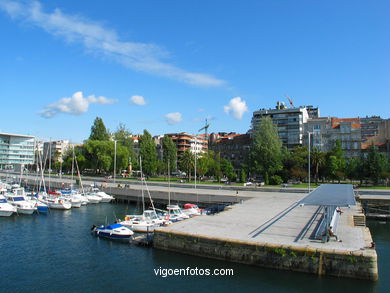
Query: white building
{"points": [[289, 122], [16, 150]]}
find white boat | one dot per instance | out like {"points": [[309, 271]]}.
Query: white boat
{"points": [[114, 231], [42, 207], [84, 200], [75, 201], [92, 197], [137, 224], [146, 222], [105, 197], [22, 204], [174, 213], [6, 209], [59, 203], [75, 196], [191, 210]]}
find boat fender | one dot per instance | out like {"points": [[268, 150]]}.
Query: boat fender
{"points": [[166, 217]]}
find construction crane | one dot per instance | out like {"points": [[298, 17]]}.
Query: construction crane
{"points": [[205, 128], [290, 101]]}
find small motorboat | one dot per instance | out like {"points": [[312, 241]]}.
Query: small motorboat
{"points": [[6, 209], [174, 214], [22, 204], [104, 196], [192, 210], [114, 231]]}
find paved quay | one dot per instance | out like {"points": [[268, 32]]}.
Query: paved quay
{"points": [[239, 235], [242, 222]]}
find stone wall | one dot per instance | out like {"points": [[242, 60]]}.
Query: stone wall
{"points": [[360, 264]]}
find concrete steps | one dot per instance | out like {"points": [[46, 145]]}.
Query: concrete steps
{"points": [[359, 220]]}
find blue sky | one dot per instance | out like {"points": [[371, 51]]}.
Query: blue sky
{"points": [[165, 66]]}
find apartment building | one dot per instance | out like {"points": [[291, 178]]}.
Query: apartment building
{"points": [[289, 121], [55, 149], [16, 151], [231, 146], [185, 141]]}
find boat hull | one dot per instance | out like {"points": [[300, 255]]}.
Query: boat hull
{"points": [[26, 211], [113, 235], [4, 213], [59, 206], [103, 199]]}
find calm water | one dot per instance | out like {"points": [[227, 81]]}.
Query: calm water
{"points": [[56, 253]]}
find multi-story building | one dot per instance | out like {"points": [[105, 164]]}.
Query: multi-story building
{"points": [[289, 122], [319, 133], [55, 149], [348, 132], [185, 141], [231, 146], [325, 131], [370, 127], [16, 151], [377, 133]]}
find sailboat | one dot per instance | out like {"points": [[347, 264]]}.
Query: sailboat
{"points": [[148, 220]]}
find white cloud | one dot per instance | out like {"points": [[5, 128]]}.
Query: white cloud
{"points": [[75, 105], [137, 100], [105, 42], [173, 118], [236, 108]]}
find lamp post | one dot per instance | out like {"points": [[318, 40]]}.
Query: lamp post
{"points": [[114, 160], [308, 166]]}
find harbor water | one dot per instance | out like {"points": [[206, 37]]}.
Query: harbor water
{"points": [[57, 253]]}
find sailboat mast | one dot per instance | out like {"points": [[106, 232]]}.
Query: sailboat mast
{"points": [[169, 185], [49, 161], [71, 180], [142, 186]]}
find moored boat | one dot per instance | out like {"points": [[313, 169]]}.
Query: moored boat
{"points": [[114, 231], [6, 209]]}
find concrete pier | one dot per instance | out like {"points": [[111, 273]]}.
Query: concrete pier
{"points": [[242, 235]]}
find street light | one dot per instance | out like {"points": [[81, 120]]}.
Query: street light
{"points": [[308, 166], [114, 160]]}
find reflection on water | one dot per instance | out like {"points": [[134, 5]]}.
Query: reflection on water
{"points": [[57, 253]]}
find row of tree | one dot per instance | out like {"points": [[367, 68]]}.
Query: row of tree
{"points": [[98, 151]]}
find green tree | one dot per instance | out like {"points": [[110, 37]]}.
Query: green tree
{"points": [[243, 176], [227, 169], [123, 136], [202, 164], [148, 153], [265, 155], [214, 167], [169, 153], [100, 155], [187, 161], [376, 164], [98, 130], [335, 162], [317, 162]]}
